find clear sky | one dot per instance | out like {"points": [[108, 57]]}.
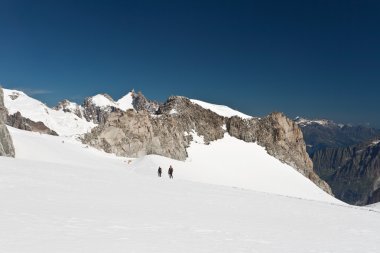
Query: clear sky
{"points": [[314, 58]]}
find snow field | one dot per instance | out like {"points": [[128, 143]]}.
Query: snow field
{"points": [[49, 207], [236, 163]]}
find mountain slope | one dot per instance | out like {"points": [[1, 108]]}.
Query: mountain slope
{"points": [[247, 166], [63, 123], [83, 200], [138, 133], [146, 127], [104, 100]]}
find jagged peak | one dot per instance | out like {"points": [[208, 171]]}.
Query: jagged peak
{"points": [[104, 100], [101, 100]]}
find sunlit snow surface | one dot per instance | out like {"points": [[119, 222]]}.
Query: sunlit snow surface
{"points": [[63, 123], [60, 196], [222, 110], [124, 103], [233, 162]]}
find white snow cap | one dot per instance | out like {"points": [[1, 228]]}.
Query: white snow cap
{"points": [[221, 110], [123, 103], [62, 123], [102, 101], [126, 102]]}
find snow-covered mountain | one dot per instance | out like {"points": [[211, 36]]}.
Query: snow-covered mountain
{"points": [[321, 133], [134, 126], [229, 194], [104, 101], [61, 122], [80, 199], [322, 122], [70, 118], [67, 118], [166, 133]]}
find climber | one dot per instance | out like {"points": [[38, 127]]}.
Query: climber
{"points": [[170, 172], [159, 171]]}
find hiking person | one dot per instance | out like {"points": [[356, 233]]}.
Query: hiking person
{"points": [[159, 171], [170, 172]]}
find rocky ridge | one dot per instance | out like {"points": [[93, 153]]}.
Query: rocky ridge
{"points": [[18, 121], [169, 131], [135, 126]]}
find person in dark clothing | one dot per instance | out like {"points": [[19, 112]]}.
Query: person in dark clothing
{"points": [[159, 171], [170, 172]]}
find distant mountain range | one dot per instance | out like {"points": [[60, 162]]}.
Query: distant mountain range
{"points": [[320, 134], [347, 157]]}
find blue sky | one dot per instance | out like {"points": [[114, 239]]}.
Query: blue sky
{"points": [[309, 58]]}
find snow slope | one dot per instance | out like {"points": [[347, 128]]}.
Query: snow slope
{"points": [[102, 101], [125, 102], [222, 110], [64, 197], [59, 121], [246, 165], [233, 162]]}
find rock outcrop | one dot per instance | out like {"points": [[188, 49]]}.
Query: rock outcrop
{"points": [[352, 172], [6, 144], [67, 106], [282, 139], [95, 113], [137, 133], [18, 121], [169, 131], [141, 103]]}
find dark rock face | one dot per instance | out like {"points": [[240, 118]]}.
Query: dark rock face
{"points": [[352, 172], [18, 121], [96, 114], [318, 136], [6, 144], [167, 133]]}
